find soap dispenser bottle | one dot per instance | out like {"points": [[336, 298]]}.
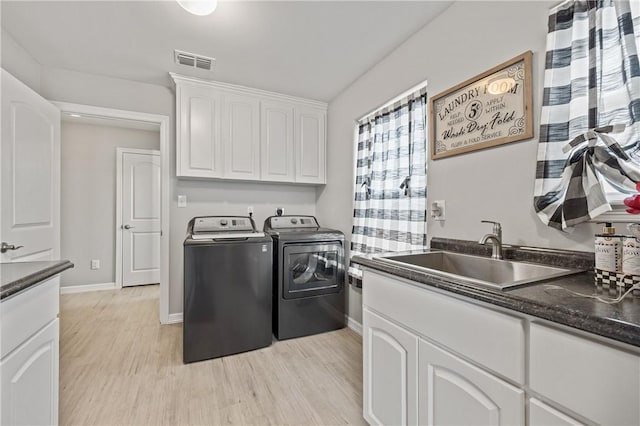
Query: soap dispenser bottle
{"points": [[608, 250]]}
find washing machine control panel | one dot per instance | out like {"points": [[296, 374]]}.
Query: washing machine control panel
{"points": [[281, 222], [222, 224]]}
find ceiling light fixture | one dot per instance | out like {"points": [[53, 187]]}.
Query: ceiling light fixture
{"points": [[75, 115], [199, 7]]}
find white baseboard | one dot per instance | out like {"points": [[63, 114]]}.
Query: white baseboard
{"points": [[174, 318], [87, 287], [354, 325]]}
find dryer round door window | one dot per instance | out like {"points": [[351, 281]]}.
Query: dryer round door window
{"points": [[312, 269]]}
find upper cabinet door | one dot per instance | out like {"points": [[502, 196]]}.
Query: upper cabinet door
{"points": [[30, 159], [276, 138], [310, 145], [241, 136], [199, 147]]}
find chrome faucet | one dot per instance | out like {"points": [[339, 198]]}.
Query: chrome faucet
{"points": [[495, 238]]}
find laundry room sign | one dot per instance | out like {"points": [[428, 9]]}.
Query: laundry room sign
{"points": [[490, 109]]}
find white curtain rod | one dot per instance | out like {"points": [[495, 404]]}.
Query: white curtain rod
{"points": [[558, 5], [394, 100]]}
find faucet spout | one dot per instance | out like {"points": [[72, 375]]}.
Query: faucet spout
{"points": [[495, 239], [488, 237]]}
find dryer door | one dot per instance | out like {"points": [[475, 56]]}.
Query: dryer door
{"points": [[311, 269]]}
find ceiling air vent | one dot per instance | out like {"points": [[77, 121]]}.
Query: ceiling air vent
{"points": [[193, 60]]}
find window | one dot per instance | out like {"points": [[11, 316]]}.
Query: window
{"points": [[588, 152], [390, 189]]}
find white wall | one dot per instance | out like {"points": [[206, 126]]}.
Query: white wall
{"points": [[88, 196], [18, 62], [203, 197], [496, 184]]}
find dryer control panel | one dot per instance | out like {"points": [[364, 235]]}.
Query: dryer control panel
{"points": [[282, 222]]}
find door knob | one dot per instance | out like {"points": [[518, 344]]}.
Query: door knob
{"points": [[4, 247], [128, 227]]}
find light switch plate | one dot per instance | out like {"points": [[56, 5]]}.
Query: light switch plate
{"points": [[95, 264], [182, 201]]}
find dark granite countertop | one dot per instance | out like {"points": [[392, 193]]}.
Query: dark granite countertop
{"points": [[620, 321], [19, 276]]}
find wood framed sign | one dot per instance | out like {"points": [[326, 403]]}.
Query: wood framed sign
{"points": [[490, 109]]}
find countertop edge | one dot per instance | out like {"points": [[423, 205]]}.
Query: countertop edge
{"points": [[24, 283], [559, 314]]}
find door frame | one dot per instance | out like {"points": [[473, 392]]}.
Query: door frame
{"points": [[165, 181], [119, 159]]}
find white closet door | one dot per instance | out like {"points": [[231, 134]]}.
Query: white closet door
{"points": [[30, 166], [140, 219]]}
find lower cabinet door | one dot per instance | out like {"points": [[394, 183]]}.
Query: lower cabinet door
{"points": [[540, 414], [29, 378], [452, 391], [390, 372]]}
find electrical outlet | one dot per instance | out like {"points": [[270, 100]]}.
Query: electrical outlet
{"points": [[95, 264], [250, 210], [438, 210], [182, 201]]}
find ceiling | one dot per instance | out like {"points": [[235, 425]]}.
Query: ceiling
{"points": [[313, 49]]}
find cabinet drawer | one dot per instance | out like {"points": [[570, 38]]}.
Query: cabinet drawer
{"points": [[597, 381], [490, 338], [22, 315]]}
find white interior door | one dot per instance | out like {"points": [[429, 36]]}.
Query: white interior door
{"points": [[30, 163], [140, 218]]}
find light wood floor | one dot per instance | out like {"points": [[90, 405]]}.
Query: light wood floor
{"points": [[118, 365]]}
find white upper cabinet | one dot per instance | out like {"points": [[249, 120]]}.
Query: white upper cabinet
{"points": [[310, 145], [234, 132], [199, 144], [241, 136], [276, 137]]}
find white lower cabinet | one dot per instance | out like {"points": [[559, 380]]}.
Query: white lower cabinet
{"points": [[596, 380], [29, 355], [29, 377], [540, 414], [451, 391], [390, 372], [431, 358]]}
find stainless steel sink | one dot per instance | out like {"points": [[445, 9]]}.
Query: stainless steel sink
{"points": [[499, 274]]}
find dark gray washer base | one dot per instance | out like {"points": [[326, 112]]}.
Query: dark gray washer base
{"points": [[19, 276]]}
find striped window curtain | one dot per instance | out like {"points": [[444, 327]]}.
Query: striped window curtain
{"points": [[590, 122], [390, 190]]}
